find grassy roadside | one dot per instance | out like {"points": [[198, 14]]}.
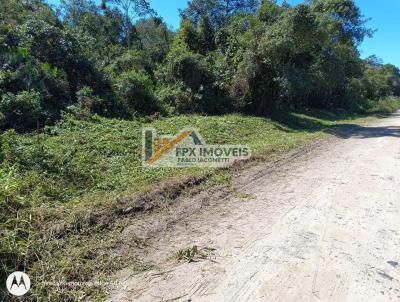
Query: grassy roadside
{"points": [[62, 191]]}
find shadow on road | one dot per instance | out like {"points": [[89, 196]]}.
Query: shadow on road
{"points": [[350, 130], [316, 121]]}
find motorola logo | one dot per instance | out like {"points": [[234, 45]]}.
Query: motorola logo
{"points": [[18, 283]]}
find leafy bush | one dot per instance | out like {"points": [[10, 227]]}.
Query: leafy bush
{"points": [[387, 105], [129, 60], [20, 111], [88, 103], [360, 105], [136, 89], [178, 97], [189, 68], [8, 148]]}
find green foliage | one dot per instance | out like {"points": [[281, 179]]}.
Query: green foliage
{"points": [[131, 9], [136, 89], [379, 80], [154, 38], [183, 72], [387, 105], [20, 111], [8, 148], [177, 96], [188, 254], [296, 62], [126, 61], [205, 36], [226, 56], [87, 104], [104, 25], [218, 12], [341, 20]]}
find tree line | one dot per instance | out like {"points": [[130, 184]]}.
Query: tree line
{"points": [[120, 59]]}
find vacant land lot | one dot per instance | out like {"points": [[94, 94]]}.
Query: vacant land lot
{"points": [[322, 227], [66, 189]]}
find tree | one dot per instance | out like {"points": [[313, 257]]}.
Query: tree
{"points": [[132, 9], [217, 11], [104, 25], [206, 35], [154, 38], [380, 80], [342, 20]]}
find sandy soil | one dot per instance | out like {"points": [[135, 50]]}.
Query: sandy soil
{"points": [[325, 226]]}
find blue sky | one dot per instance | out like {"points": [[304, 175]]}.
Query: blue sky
{"points": [[384, 16]]}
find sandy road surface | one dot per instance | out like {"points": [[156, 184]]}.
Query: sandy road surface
{"points": [[325, 227]]}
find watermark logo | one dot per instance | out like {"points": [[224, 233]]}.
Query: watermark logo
{"points": [[18, 283], [187, 149]]}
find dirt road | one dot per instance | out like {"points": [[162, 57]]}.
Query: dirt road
{"points": [[323, 227]]}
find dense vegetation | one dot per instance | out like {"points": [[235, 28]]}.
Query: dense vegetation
{"points": [[79, 81], [120, 60]]}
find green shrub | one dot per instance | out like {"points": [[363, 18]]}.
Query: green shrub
{"points": [[388, 104], [360, 105], [8, 148], [136, 89], [178, 97], [89, 103], [129, 60], [2, 119], [20, 111]]}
